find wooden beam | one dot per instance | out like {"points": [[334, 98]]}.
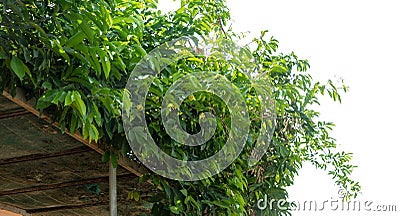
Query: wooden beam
{"points": [[44, 155], [59, 185]]}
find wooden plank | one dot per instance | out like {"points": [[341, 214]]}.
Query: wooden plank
{"points": [[52, 210], [13, 114], [59, 185], [99, 147], [66, 207], [44, 155]]}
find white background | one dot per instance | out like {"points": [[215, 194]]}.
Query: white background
{"points": [[360, 42]]}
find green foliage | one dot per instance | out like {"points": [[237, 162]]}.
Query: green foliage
{"points": [[74, 58]]}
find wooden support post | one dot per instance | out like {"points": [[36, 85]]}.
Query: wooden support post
{"points": [[113, 190]]}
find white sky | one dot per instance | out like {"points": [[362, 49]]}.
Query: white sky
{"points": [[360, 42]]}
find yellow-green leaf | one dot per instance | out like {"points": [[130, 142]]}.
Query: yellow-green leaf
{"points": [[79, 105], [135, 195]]}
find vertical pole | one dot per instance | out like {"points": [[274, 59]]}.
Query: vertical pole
{"points": [[113, 190]]}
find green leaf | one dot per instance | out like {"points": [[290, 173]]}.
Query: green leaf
{"points": [[127, 103], [86, 129], [105, 61], [279, 69], [195, 59], [47, 85], [18, 67], [94, 19], [93, 133], [87, 30], [95, 61], [3, 54], [75, 39], [114, 159], [174, 209], [57, 48], [97, 115], [42, 32], [74, 123], [184, 192], [105, 157], [58, 98], [69, 99], [79, 105], [140, 50]]}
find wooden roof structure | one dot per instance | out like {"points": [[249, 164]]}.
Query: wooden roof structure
{"points": [[46, 172]]}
